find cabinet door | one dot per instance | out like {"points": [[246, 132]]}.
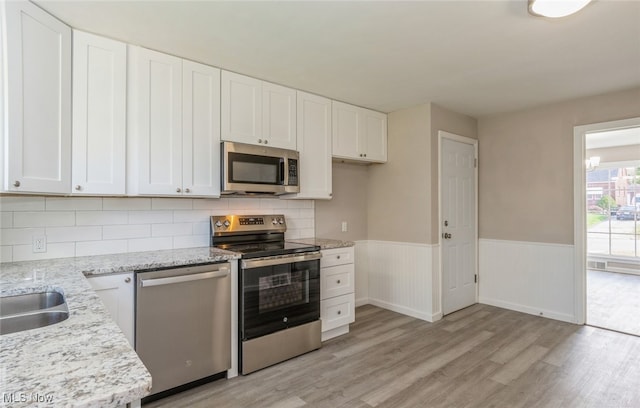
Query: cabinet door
{"points": [[201, 129], [346, 131], [116, 292], [99, 115], [241, 108], [314, 145], [337, 311], [154, 155], [278, 116], [38, 148], [375, 135]]}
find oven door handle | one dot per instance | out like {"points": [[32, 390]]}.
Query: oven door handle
{"points": [[259, 263], [220, 273]]}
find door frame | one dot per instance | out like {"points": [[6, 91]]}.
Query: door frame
{"points": [[580, 210], [474, 142]]}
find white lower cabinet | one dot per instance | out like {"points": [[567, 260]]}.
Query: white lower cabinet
{"points": [[337, 291], [117, 294]]}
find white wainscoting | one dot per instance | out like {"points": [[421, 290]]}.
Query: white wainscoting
{"points": [[529, 277], [400, 277]]}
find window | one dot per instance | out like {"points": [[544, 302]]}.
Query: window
{"points": [[613, 211]]}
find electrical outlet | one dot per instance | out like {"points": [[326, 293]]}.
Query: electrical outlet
{"points": [[344, 226], [39, 243]]}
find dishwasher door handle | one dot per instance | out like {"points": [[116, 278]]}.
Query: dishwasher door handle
{"points": [[220, 273]]}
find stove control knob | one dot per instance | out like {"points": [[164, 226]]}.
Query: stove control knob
{"points": [[274, 221], [227, 223], [281, 220], [218, 224]]}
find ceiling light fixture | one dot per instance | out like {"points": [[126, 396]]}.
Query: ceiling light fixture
{"points": [[556, 8]]}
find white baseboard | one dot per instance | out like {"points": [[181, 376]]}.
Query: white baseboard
{"points": [[528, 310]]}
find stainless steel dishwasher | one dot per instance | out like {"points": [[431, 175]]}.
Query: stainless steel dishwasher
{"points": [[183, 323]]}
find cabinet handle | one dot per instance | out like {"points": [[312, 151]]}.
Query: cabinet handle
{"points": [[338, 282], [186, 190], [178, 190], [78, 187], [16, 183], [127, 280], [259, 140], [266, 142], [339, 312], [365, 155], [338, 256]]}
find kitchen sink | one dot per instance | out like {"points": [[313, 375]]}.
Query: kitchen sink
{"points": [[31, 311]]}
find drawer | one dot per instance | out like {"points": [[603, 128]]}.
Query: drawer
{"points": [[337, 311], [338, 256], [336, 281]]}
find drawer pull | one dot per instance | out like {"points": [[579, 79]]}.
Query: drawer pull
{"points": [[338, 257], [339, 312], [338, 282]]}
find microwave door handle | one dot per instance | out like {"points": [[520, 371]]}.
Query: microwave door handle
{"points": [[284, 174]]}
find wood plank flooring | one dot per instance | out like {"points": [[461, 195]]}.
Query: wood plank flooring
{"points": [[613, 301], [481, 356]]}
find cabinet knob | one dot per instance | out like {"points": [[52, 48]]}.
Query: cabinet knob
{"points": [[178, 190], [186, 190], [16, 183], [338, 282], [266, 142], [259, 140], [78, 187], [365, 155], [338, 256], [339, 312], [127, 280]]}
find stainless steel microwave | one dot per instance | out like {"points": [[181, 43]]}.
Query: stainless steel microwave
{"points": [[250, 169]]}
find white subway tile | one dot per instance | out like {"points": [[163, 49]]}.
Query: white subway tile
{"points": [[56, 250], [299, 203], [19, 236], [6, 219], [291, 213], [307, 233], [126, 231], [27, 203], [102, 217], [243, 203], [150, 217], [71, 204], [170, 230], [210, 203], [126, 204], [171, 204], [307, 213], [272, 203], [191, 241], [222, 212], [72, 234], [292, 234], [44, 219], [191, 216], [6, 253], [150, 244], [88, 248], [202, 228], [299, 223]]}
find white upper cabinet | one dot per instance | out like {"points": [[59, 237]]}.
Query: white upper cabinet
{"points": [[154, 156], [37, 149], [257, 112], [359, 134], [174, 126], [314, 145], [201, 129], [279, 116], [99, 115]]}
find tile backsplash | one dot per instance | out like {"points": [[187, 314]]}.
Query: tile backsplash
{"points": [[75, 226]]}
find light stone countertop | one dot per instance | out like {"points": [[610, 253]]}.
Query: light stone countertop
{"points": [[84, 361], [324, 243]]}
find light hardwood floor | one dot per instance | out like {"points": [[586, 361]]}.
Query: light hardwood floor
{"points": [[481, 356], [613, 301]]}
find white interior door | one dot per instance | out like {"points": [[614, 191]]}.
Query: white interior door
{"points": [[458, 223]]}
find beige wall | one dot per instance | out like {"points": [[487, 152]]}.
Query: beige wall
{"points": [[452, 122], [526, 166], [399, 191], [349, 203]]}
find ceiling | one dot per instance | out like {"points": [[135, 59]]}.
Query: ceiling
{"points": [[475, 57]]}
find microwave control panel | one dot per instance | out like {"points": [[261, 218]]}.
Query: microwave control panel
{"points": [[293, 172]]}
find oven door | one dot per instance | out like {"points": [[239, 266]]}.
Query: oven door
{"points": [[278, 292]]}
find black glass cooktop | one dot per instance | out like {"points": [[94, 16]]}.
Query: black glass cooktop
{"points": [[263, 249]]}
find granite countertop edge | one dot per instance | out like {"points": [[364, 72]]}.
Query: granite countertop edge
{"points": [[84, 361], [324, 243]]}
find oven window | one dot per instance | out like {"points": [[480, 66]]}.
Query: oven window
{"points": [[282, 290], [248, 168]]}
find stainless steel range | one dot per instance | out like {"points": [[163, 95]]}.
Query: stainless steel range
{"points": [[279, 289]]}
